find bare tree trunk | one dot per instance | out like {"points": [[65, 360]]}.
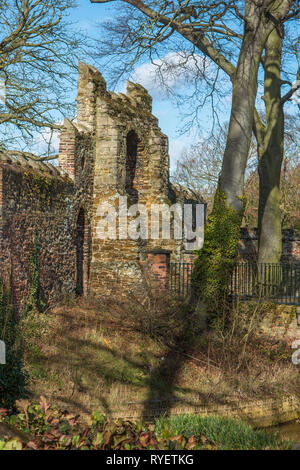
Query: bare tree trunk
{"points": [[216, 260], [270, 153], [269, 216], [241, 122]]}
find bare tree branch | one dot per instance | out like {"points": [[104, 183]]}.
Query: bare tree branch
{"points": [[39, 52], [295, 87]]}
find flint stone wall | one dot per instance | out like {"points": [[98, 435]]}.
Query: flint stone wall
{"points": [[248, 245], [114, 148]]}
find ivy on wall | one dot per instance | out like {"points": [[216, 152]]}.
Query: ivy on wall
{"points": [[34, 302], [7, 323], [41, 186], [12, 376], [216, 260]]}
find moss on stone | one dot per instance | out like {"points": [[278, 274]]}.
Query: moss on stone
{"points": [[42, 186]]}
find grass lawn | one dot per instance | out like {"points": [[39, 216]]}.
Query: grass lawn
{"points": [[86, 355], [227, 434]]}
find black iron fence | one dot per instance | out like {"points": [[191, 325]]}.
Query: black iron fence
{"points": [[279, 283], [180, 278]]}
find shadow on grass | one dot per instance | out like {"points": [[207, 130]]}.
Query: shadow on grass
{"points": [[96, 368], [118, 357], [12, 379], [12, 374]]}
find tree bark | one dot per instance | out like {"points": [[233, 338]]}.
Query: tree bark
{"points": [[216, 260], [241, 120], [270, 140]]}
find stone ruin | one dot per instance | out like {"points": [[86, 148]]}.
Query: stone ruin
{"points": [[114, 148]]}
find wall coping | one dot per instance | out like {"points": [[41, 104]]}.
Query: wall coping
{"points": [[158, 251], [252, 234], [259, 413], [24, 163]]}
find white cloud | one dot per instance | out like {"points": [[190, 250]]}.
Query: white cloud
{"points": [[175, 70], [178, 145], [46, 142], [2, 92]]}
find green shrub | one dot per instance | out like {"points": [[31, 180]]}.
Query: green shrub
{"points": [[34, 302], [225, 433], [12, 376], [217, 258], [7, 321], [12, 379], [45, 427], [17, 336]]}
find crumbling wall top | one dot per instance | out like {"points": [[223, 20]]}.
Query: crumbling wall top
{"points": [[139, 94], [23, 161], [91, 84], [90, 79]]}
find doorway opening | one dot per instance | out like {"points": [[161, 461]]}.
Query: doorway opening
{"points": [[131, 160], [80, 228]]}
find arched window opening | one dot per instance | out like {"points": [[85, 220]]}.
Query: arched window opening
{"points": [[83, 161], [80, 253], [131, 159]]}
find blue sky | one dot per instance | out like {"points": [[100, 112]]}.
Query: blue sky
{"points": [[86, 15], [171, 119]]}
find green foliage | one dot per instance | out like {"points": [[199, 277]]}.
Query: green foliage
{"points": [[7, 322], [32, 332], [217, 258], [49, 428], [12, 377], [45, 427], [226, 433], [34, 301], [11, 444], [12, 374], [40, 186]]}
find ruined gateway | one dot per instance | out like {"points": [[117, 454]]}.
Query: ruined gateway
{"points": [[114, 148]]}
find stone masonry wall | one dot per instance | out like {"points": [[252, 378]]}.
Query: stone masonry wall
{"points": [[77, 158], [131, 160], [115, 149], [36, 204], [248, 245], [54, 205]]}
